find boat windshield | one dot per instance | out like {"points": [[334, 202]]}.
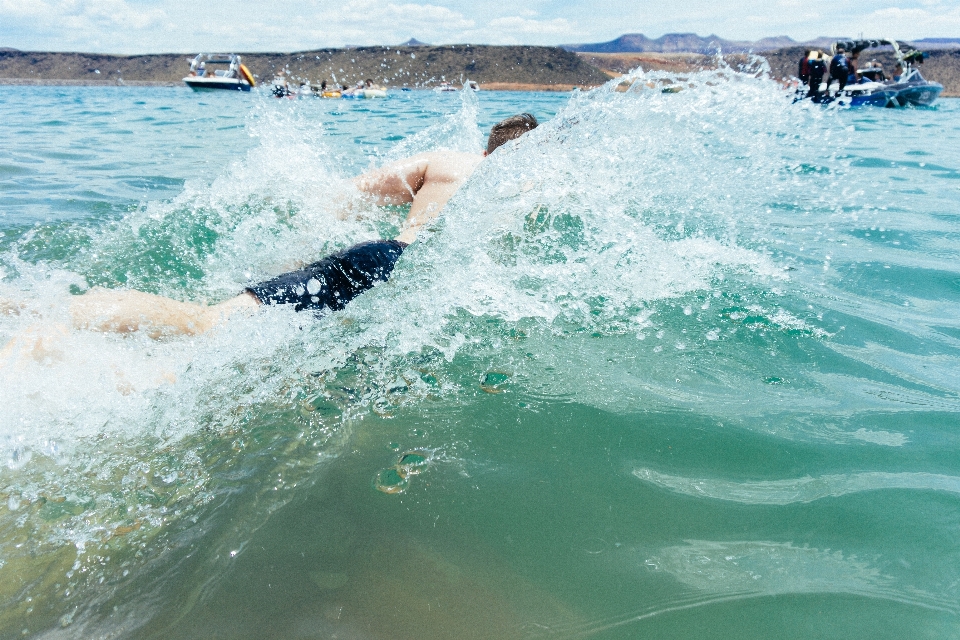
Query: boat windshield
{"points": [[202, 63], [873, 74]]}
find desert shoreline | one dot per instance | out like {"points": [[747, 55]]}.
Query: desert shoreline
{"points": [[491, 86], [494, 68]]}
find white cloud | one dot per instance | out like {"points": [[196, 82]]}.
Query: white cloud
{"points": [[912, 23], [138, 26], [518, 25]]}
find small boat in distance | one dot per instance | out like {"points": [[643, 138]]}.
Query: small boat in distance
{"points": [[446, 86], [234, 77], [366, 89]]}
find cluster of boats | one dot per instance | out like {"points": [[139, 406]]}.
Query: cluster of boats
{"points": [[210, 71], [908, 87], [282, 89]]}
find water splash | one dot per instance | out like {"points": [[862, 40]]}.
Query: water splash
{"points": [[642, 250]]}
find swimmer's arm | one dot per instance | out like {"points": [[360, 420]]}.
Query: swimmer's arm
{"points": [[397, 182]]}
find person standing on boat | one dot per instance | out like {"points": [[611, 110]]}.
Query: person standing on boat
{"points": [[854, 74], [818, 67], [839, 69], [803, 73]]}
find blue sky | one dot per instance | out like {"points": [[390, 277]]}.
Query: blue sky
{"points": [[155, 26]]}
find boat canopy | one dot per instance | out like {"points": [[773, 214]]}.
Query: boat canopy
{"points": [[905, 52], [231, 59]]}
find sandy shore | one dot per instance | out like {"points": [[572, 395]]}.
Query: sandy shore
{"points": [[522, 86], [489, 86], [87, 83]]}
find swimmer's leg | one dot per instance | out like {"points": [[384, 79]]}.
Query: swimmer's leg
{"points": [[126, 311]]}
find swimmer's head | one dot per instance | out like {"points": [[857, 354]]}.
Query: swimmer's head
{"points": [[510, 129]]}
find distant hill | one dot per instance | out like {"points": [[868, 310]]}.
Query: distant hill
{"points": [[942, 66], [937, 43], [399, 66], [690, 43], [494, 67]]}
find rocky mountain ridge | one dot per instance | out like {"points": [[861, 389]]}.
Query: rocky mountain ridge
{"points": [[399, 66], [693, 43]]}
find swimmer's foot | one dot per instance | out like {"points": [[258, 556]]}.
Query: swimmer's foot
{"points": [[40, 344], [11, 307]]}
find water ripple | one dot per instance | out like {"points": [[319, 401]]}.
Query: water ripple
{"points": [[802, 490]]}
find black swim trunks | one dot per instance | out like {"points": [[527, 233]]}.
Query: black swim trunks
{"points": [[334, 281]]}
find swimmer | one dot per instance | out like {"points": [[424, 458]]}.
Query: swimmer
{"points": [[425, 181]]}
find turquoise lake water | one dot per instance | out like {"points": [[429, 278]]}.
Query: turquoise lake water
{"points": [[674, 365]]}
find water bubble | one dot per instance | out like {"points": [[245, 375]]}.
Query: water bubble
{"points": [[493, 381], [413, 463], [18, 458], [391, 481]]}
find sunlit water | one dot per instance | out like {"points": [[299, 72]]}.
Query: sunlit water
{"points": [[674, 365]]}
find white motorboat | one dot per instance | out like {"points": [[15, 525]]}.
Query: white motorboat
{"points": [[209, 71], [875, 89]]}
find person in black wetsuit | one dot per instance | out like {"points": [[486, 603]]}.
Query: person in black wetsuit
{"points": [[425, 181], [839, 69], [818, 67]]}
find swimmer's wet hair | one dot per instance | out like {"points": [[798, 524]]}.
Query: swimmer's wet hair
{"points": [[510, 129]]}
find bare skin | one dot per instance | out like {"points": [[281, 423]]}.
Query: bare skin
{"points": [[425, 181], [120, 311]]}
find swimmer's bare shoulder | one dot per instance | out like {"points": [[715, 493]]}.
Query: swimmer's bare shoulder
{"points": [[450, 166], [399, 182]]}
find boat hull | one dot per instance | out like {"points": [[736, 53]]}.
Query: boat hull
{"points": [[921, 95], [917, 94], [364, 94], [216, 84], [881, 98]]}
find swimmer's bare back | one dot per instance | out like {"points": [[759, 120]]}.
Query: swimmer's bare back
{"points": [[425, 181]]}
